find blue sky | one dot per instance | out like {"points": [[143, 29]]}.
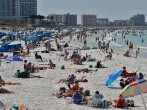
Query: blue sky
{"points": [[112, 9]]}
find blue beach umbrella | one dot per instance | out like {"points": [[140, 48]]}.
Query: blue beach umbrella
{"points": [[113, 77], [32, 39], [15, 43], [14, 58]]}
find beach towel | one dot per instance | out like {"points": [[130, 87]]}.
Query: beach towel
{"points": [[84, 72]]}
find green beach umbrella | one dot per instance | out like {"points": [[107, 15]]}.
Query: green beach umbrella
{"points": [[4, 38]]}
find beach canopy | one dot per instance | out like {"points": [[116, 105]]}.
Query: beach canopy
{"points": [[135, 88], [71, 48], [113, 77], [4, 47], [13, 58], [15, 43], [32, 39]]}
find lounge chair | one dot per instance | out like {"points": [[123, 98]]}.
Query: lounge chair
{"points": [[94, 102], [77, 98]]}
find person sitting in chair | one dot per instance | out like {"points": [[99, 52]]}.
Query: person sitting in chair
{"points": [[38, 56]]}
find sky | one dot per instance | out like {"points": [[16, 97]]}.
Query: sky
{"points": [[112, 9]]}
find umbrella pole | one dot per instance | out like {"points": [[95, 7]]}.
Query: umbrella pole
{"points": [[143, 101], [142, 97], [0, 60], [12, 67]]}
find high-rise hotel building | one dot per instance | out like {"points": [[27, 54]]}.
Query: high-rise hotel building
{"points": [[17, 9], [89, 20], [70, 19]]}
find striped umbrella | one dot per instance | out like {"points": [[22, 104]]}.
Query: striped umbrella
{"points": [[135, 88]]}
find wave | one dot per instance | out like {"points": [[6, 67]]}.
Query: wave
{"points": [[115, 44], [142, 47], [108, 38]]}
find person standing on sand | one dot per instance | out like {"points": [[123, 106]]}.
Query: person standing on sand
{"points": [[66, 55], [142, 40], [137, 52], [85, 43]]}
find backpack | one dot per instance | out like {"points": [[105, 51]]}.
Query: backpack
{"points": [[104, 104], [87, 93], [130, 103]]}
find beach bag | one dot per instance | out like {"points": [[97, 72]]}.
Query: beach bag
{"points": [[130, 103], [62, 67], [87, 93], [104, 104]]}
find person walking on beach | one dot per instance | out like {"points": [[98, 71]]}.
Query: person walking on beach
{"points": [[142, 40], [130, 46], [66, 55], [85, 43], [99, 44], [137, 52]]}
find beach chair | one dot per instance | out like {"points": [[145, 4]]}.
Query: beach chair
{"points": [[77, 98], [94, 102]]}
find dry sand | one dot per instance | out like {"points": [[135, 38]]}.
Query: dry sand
{"points": [[36, 94]]}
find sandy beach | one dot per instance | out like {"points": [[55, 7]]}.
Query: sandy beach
{"points": [[36, 93]]}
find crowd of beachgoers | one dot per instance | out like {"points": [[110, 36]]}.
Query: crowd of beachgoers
{"points": [[61, 72]]}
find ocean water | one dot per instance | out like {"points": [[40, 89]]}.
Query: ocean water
{"points": [[119, 45]]}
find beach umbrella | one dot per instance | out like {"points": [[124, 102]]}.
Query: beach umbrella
{"points": [[4, 38], [113, 77], [135, 88], [14, 58], [15, 43], [32, 39]]}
